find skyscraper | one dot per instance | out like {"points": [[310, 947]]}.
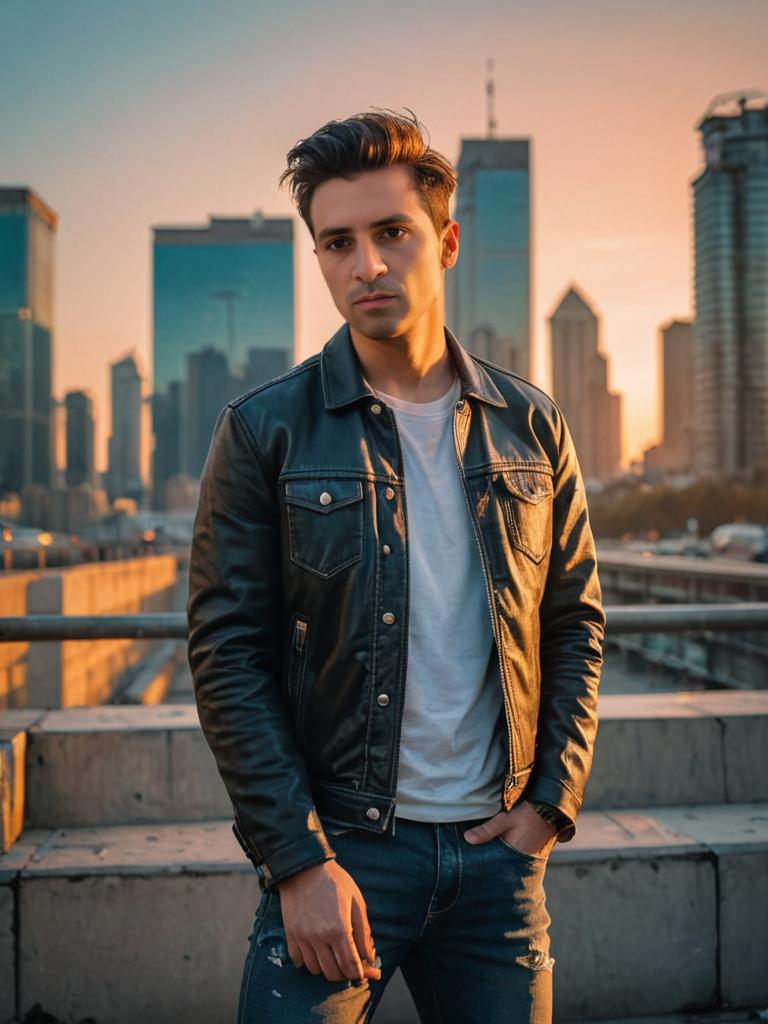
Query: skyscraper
{"points": [[27, 232], [489, 289], [228, 287], [677, 395], [124, 475], [580, 386], [80, 434], [209, 388], [730, 214]]}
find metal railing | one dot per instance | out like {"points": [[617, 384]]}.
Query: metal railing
{"points": [[673, 618]]}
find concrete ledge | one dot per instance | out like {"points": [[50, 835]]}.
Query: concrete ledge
{"points": [[151, 923], [13, 751], [136, 924], [653, 911], [11, 866], [122, 764], [680, 748]]}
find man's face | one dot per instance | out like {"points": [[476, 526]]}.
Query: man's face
{"points": [[374, 238]]}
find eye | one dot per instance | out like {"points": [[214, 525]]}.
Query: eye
{"points": [[336, 244], [387, 231]]}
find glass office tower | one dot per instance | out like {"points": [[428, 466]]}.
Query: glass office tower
{"points": [[27, 231], [730, 213], [222, 290], [489, 289], [227, 286]]}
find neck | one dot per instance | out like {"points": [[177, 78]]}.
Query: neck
{"points": [[415, 366]]}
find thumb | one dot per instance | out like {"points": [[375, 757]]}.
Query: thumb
{"points": [[486, 831]]}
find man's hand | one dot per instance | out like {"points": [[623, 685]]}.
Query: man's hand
{"points": [[522, 827], [326, 923]]}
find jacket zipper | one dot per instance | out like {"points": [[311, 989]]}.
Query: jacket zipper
{"points": [[299, 645], [511, 779]]}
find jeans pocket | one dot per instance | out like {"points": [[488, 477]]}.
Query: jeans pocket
{"points": [[530, 858]]}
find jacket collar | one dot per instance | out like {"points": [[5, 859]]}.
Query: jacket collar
{"points": [[343, 381]]}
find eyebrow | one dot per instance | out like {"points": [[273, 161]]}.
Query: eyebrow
{"points": [[396, 218]]}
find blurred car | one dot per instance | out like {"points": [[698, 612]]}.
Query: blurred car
{"points": [[744, 541]]}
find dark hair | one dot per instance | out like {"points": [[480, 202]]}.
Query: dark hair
{"points": [[365, 142]]}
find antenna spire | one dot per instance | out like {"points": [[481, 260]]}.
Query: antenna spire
{"points": [[490, 91]]}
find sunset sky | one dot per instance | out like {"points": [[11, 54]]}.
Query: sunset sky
{"points": [[122, 115]]}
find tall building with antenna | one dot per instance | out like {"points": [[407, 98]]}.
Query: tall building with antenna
{"points": [[489, 291], [730, 216]]}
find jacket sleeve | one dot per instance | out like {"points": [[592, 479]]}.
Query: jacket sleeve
{"points": [[234, 612], [572, 624]]}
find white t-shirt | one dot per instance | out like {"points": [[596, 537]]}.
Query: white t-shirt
{"points": [[453, 742]]}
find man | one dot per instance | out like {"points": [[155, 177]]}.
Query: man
{"points": [[395, 624]]}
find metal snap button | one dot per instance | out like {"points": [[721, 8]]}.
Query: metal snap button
{"points": [[325, 498], [386, 549], [375, 408], [459, 406], [389, 494], [388, 617], [382, 700], [373, 813]]}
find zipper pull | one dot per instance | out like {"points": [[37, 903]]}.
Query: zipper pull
{"points": [[300, 635]]}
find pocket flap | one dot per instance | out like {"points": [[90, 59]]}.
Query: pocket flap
{"points": [[531, 485], [323, 495]]}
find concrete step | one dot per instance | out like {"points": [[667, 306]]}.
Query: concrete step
{"points": [[654, 912], [122, 765], [13, 760]]}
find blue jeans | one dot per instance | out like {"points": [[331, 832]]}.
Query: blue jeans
{"points": [[466, 924]]}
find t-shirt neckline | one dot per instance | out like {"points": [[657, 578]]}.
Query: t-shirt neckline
{"points": [[435, 409]]}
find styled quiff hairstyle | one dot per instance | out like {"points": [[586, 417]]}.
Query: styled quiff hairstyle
{"points": [[365, 142]]}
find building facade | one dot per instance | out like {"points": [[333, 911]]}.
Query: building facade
{"points": [[80, 429], [225, 288], [676, 454], [124, 476], [730, 218], [489, 290], [580, 387], [27, 234]]}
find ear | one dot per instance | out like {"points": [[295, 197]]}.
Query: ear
{"points": [[450, 244]]}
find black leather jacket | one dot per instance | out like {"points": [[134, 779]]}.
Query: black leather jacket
{"points": [[298, 599]]}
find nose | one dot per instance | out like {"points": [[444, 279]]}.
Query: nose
{"points": [[368, 263]]}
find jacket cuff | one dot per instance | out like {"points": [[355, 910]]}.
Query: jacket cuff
{"points": [[554, 793], [311, 849]]}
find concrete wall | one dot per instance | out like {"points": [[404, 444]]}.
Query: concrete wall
{"points": [[78, 672]]}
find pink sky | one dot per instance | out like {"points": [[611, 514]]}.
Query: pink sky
{"points": [[174, 119]]}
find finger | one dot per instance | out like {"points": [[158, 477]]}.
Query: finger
{"points": [[482, 833], [361, 930], [294, 950], [329, 963], [349, 960], [310, 960]]}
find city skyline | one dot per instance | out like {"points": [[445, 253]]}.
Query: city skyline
{"points": [[133, 135]]}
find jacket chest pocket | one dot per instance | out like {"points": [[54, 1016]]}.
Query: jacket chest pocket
{"points": [[325, 524], [526, 501]]}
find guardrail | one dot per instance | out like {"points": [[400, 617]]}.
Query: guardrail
{"points": [[173, 625]]}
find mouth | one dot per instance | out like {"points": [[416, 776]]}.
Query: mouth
{"points": [[372, 301]]}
